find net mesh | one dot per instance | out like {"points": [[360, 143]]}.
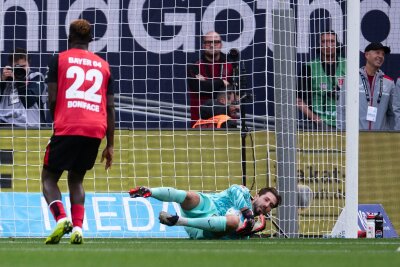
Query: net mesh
{"points": [[149, 45]]}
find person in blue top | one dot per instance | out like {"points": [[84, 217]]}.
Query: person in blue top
{"points": [[228, 214]]}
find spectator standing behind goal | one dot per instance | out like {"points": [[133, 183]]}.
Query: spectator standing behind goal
{"points": [[21, 102], [211, 73], [379, 100], [81, 101], [225, 215], [319, 82]]}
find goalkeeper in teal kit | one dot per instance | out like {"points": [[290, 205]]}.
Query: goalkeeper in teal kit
{"points": [[232, 213]]}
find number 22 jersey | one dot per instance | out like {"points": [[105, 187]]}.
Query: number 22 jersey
{"points": [[83, 82]]}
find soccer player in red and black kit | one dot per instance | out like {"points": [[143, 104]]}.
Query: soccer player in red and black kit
{"points": [[81, 101]]}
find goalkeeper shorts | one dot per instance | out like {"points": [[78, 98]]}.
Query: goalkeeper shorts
{"points": [[206, 208]]}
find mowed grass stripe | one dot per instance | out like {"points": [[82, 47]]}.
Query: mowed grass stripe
{"points": [[191, 253], [264, 241]]}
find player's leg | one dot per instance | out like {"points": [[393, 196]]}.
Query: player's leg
{"points": [[52, 194], [218, 224], [86, 156], [77, 197], [192, 200], [51, 174], [187, 200]]}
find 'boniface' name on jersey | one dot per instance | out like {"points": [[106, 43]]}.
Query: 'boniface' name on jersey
{"points": [[84, 105]]}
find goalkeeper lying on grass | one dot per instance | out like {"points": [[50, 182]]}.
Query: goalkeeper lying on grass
{"points": [[230, 214]]}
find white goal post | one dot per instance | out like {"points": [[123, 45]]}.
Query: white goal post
{"points": [[352, 133]]}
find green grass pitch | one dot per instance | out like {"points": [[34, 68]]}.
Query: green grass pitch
{"points": [[190, 253]]}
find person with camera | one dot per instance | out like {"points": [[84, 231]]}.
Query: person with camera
{"points": [[319, 82], [211, 74], [21, 102]]}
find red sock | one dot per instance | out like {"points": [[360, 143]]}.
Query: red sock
{"points": [[77, 214], [57, 209]]}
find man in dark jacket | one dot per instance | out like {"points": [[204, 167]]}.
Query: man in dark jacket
{"points": [[211, 73]]}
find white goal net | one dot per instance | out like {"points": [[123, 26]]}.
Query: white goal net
{"points": [[275, 46]]}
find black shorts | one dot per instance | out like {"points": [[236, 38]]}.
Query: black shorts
{"points": [[71, 153]]}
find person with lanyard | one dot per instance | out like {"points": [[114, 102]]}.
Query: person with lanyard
{"points": [[318, 83], [378, 107]]}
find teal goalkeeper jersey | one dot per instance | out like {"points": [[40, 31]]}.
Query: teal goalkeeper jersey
{"points": [[236, 196]]}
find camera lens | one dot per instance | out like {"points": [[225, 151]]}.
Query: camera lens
{"points": [[19, 72], [233, 55]]}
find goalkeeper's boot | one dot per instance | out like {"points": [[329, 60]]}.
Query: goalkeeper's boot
{"points": [[76, 238], [140, 191], [61, 229], [168, 219]]}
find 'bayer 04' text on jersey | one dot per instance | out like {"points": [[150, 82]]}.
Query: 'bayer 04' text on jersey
{"points": [[83, 82]]}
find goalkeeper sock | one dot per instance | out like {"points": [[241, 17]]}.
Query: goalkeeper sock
{"points": [[77, 214], [212, 224], [57, 209], [168, 194]]}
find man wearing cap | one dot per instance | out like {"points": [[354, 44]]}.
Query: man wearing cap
{"points": [[378, 108]]}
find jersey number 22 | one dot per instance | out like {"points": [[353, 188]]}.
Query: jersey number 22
{"points": [[77, 73]]}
